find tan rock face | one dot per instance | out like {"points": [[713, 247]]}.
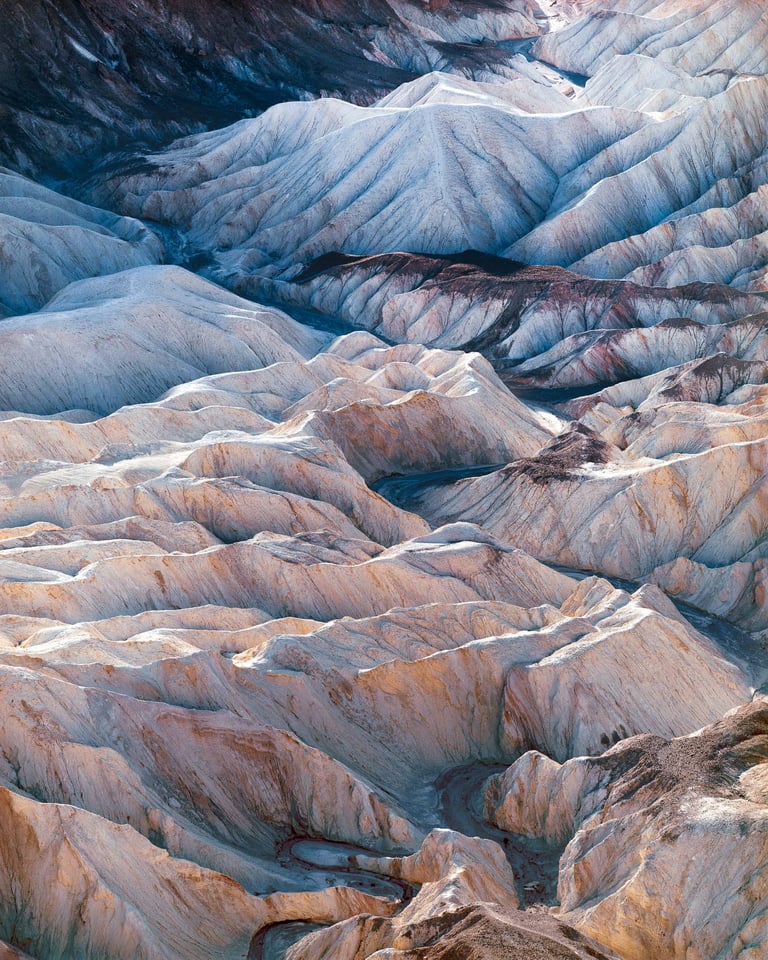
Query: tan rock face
{"points": [[644, 812], [473, 930], [661, 502], [426, 620]]}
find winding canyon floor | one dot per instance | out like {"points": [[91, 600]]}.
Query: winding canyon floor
{"points": [[384, 480]]}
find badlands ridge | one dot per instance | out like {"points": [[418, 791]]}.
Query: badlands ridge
{"points": [[384, 490]]}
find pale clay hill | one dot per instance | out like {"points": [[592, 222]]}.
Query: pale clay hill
{"points": [[383, 481], [439, 172], [530, 316], [48, 240], [109, 341]]}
